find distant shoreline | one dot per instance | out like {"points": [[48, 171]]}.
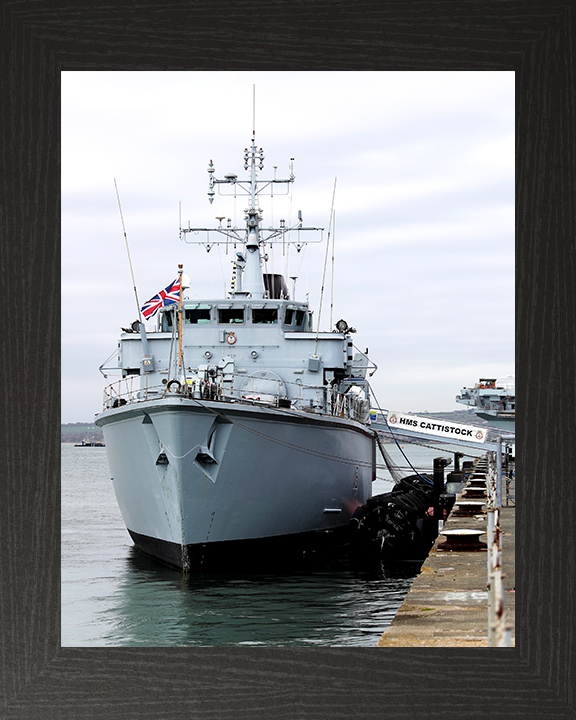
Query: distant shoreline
{"points": [[76, 432]]}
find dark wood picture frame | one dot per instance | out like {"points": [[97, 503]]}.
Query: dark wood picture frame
{"points": [[38, 678]]}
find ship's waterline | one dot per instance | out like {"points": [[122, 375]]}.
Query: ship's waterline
{"points": [[189, 474]]}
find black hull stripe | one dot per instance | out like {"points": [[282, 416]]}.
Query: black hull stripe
{"points": [[277, 552]]}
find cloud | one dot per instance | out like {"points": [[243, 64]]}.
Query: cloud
{"points": [[424, 203]]}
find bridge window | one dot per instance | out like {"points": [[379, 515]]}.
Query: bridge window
{"points": [[300, 315], [230, 316], [264, 316], [197, 316], [288, 316], [167, 321]]}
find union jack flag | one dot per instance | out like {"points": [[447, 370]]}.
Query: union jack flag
{"points": [[169, 295]]}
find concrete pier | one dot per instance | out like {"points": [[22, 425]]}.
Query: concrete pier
{"points": [[447, 604]]}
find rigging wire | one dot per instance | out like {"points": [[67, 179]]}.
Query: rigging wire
{"points": [[284, 443], [107, 359], [394, 436], [391, 466], [421, 443], [368, 359], [286, 245]]}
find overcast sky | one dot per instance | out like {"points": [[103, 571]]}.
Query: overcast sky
{"points": [[424, 211]]}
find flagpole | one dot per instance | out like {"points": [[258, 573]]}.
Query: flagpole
{"points": [[180, 319]]}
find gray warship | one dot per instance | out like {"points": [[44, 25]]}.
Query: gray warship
{"points": [[494, 400], [237, 429]]}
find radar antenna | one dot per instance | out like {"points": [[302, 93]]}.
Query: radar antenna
{"points": [[252, 187]]}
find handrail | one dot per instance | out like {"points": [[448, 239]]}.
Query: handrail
{"points": [[125, 391], [499, 634]]}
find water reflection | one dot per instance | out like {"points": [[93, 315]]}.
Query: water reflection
{"points": [[112, 595], [158, 606]]}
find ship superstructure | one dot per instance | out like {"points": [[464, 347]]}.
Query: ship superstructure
{"points": [[235, 420]]}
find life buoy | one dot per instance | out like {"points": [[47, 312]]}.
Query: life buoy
{"points": [[174, 386], [230, 338]]}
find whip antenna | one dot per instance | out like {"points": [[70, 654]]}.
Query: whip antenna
{"points": [[253, 110], [325, 263], [128, 250], [332, 285]]}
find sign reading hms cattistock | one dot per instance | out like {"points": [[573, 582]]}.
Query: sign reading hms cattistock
{"points": [[432, 426]]}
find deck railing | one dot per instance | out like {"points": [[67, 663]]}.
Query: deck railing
{"points": [[311, 398]]}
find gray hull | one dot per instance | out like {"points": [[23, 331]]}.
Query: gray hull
{"points": [[504, 423], [190, 475]]}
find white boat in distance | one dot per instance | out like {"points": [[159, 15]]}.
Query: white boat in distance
{"points": [[238, 431]]}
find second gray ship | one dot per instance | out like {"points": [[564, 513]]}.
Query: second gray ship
{"points": [[494, 400]]}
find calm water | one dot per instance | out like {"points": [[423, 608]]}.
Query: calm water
{"points": [[113, 595]]}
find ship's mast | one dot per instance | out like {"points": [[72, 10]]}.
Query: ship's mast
{"points": [[252, 281], [248, 277]]}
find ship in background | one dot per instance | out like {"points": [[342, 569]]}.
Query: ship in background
{"points": [[90, 442], [238, 430], [494, 400]]}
